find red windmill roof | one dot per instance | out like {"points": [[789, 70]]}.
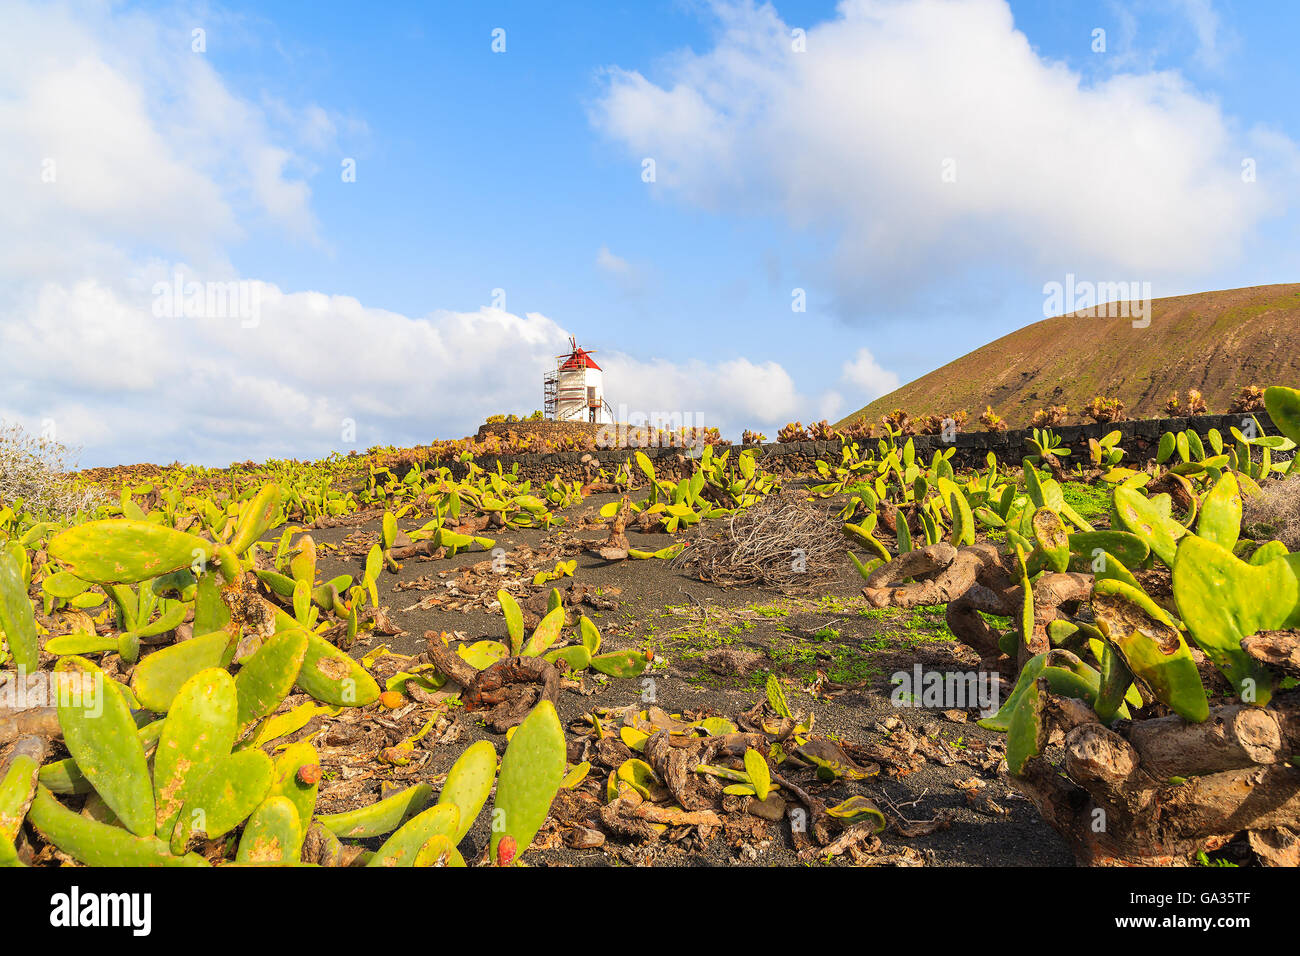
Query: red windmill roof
{"points": [[580, 359]]}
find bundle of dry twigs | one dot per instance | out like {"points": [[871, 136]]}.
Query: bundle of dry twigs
{"points": [[784, 541]]}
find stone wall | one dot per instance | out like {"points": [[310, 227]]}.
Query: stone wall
{"points": [[1140, 439]]}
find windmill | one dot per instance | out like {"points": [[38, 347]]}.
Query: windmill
{"points": [[574, 391]]}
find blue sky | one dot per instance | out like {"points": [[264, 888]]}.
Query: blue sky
{"points": [[776, 169]]}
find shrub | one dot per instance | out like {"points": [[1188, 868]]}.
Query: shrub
{"points": [[991, 420], [752, 438], [38, 473], [859, 428], [1195, 402], [1275, 513], [1249, 399], [1050, 417], [1105, 410], [792, 432], [898, 421], [934, 424], [822, 431]]}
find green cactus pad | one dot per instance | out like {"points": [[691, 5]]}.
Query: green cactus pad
{"points": [[575, 657], [199, 730], [81, 643], [531, 771], [17, 619], [332, 677], [1052, 539], [439, 851], [1283, 406], [99, 844], [469, 781], [1139, 515], [1223, 599], [402, 847], [281, 584], [222, 798], [1116, 681], [1154, 651], [760, 775], [269, 674], [379, 818], [1220, 520], [64, 585], [625, 663], [514, 620], [126, 551], [102, 738], [1025, 729], [590, 634], [273, 834], [16, 790], [258, 515], [482, 654], [159, 677], [545, 634], [1129, 548], [295, 781]]}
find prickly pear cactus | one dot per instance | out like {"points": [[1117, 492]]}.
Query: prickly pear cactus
{"points": [[101, 736], [402, 847], [124, 551], [99, 844], [269, 674], [383, 816], [222, 798], [273, 833], [531, 771], [469, 781], [198, 730], [332, 677], [158, 678], [17, 619], [1223, 599]]}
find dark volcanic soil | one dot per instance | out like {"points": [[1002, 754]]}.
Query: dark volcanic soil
{"points": [[714, 648]]}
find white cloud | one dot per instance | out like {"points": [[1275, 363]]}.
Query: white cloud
{"points": [[138, 385], [731, 395], [1123, 176], [868, 377], [158, 168], [121, 138]]}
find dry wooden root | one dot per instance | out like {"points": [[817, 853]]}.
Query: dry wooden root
{"points": [[975, 579], [40, 722], [507, 690], [1158, 791], [1280, 649], [418, 549], [617, 545]]}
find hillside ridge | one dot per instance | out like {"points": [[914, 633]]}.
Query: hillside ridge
{"points": [[1216, 342]]}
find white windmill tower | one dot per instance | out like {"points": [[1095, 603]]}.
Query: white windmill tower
{"points": [[574, 391]]}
